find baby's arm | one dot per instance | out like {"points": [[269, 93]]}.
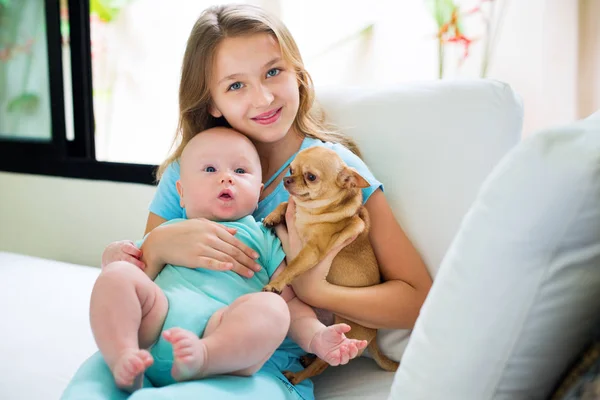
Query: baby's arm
{"points": [[329, 343]]}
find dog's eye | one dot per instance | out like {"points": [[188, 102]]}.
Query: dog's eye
{"points": [[311, 177], [291, 171]]}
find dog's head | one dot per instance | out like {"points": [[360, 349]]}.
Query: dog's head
{"points": [[319, 173]]}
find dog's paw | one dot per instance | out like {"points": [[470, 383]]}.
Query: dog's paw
{"points": [[272, 289], [292, 377], [271, 220], [307, 359]]}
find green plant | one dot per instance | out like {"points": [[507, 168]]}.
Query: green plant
{"points": [[107, 10]]}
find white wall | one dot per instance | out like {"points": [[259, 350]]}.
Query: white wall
{"points": [[70, 220]]}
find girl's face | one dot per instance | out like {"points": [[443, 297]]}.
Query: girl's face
{"points": [[254, 88]]}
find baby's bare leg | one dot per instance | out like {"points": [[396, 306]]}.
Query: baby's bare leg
{"points": [[127, 311], [238, 339]]}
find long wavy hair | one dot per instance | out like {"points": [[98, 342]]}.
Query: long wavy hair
{"points": [[234, 20]]}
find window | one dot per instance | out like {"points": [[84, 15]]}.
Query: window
{"points": [[35, 134], [24, 93], [88, 82]]}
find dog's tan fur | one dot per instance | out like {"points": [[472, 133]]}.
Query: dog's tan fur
{"points": [[329, 212]]}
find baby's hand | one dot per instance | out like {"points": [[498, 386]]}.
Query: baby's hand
{"points": [[123, 250], [332, 346]]}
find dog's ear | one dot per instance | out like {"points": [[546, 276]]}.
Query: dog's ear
{"points": [[350, 178]]}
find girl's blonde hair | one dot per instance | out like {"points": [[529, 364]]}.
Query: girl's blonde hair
{"points": [[215, 24]]}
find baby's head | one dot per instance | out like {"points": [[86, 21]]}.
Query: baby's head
{"points": [[220, 178]]}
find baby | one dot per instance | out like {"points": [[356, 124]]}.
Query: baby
{"points": [[212, 322]]}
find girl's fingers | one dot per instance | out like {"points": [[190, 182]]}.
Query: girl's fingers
{"points": [[348, 241], [290, 213], [234, 254], [246, 253], [213, 264], [219, 261]]}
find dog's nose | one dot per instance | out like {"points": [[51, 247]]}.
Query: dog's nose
{"points": [[288, 181]]}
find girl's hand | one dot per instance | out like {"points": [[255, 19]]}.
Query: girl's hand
{"points": [[290, 240], [123, 250], [200, 243]]}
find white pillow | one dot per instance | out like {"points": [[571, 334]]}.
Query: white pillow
{"points": [[431, 144], [518, 293]]}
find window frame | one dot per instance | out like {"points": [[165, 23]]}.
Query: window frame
{"points": [[61, 157]]}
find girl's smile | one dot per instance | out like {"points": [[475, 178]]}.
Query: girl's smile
{"points": [[269, 117]]}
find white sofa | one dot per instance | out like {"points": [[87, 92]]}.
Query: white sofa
{"points": [[432, 144]]}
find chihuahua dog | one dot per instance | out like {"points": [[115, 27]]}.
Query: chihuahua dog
{"points": [[329, 212]]}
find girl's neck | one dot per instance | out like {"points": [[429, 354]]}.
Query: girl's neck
{"points": [[273, 155]]}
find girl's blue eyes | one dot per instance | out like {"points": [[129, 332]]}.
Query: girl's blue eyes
{"points": [[235, 86], [210, 169], [273, 72], [238, 85], [240, 171]]}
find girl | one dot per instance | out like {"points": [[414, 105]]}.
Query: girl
{"points": [[243, 69]]}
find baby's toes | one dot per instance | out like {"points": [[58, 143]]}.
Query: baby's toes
{"points": [[139, 362], [182, 350], [176, 335], [146, 358], [129, 366]]}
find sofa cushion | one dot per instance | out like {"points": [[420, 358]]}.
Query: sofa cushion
{"points": [[518, 294], [431, 144]]}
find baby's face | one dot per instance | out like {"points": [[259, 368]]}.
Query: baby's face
{"points": [[221, 177]]}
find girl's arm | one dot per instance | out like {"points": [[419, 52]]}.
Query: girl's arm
{"points": [[152, 222], [396, 302]]}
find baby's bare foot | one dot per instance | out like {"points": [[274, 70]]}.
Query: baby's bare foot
{"points": [[189, 354], [129, 369]]}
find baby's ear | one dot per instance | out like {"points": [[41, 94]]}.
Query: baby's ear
{"points": [[180, 192], [350, 178]]}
